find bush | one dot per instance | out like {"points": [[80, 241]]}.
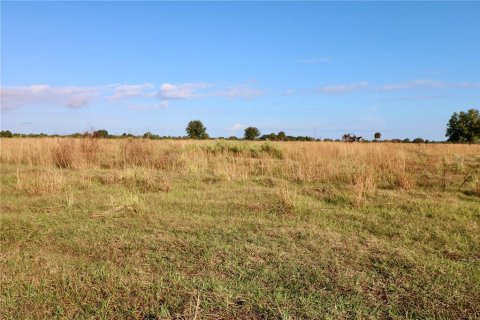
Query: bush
{"points": [[63, 153], [271, 150], [6, 134], [100, 134]]}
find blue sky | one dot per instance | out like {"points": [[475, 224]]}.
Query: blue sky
{"points": [[323, 68]]}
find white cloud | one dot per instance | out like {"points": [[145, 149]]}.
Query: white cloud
{"points": [[342, 88], [170, 91], [123, 91], [202, 90], [69, 96], [76, 97], [237, 126]]}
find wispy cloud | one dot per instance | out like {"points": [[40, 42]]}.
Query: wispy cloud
{"points": [[122, 91], [429, 84], [146, 106], [413, 84], [315, 60], [69, 96], [418, 97], [170, 91], [200, 90], [241, 91], [76, 97], [342, 88]]}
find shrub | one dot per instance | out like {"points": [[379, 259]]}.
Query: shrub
{"points": [[100, 134], [63, 153], [6, 134], [271, 150]]}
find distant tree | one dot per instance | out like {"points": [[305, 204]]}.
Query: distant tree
{"points": [[196, 130], [147, 135], [406, 140], [348, 137], [232, 138], [418, 140], [272, 137], [464, 127], [251, 133], [281, 136], [377, 136], [100, 134], [6, 134]]}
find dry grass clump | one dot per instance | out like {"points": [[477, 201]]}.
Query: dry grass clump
{"points": [[63, 153], [406, 181], [137, 153], [40, 182], [364, 184], [89, 148], [285, 199]]}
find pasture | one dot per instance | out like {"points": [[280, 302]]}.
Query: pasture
{"points": [[143, 229]]}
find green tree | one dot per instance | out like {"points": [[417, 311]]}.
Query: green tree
{"points": [[464, 127], [377, 136], [251, 133], [196, 130], [6, 134], [100, 134], [147, 135], [281, 136], [272, 137]]}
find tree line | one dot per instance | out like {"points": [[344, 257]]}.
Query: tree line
{"points": [[463, 127]]}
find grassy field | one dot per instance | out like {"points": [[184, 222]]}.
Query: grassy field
{"points": [[140, 229]]}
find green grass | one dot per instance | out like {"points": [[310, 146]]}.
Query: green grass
{"points": [[200, 247]]}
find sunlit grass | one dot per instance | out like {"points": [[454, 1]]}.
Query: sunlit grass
{"points": [[182, 229]]}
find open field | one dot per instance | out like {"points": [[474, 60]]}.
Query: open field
{"points": [[141, 229]]}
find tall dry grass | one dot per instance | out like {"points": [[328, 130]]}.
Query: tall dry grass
{"points": [[363, 166]]}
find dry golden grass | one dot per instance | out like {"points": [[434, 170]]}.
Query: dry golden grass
{"points": [[364, 166], [144, 229]]}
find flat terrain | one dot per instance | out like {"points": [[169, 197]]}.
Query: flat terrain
{"points": [[140, 229]]}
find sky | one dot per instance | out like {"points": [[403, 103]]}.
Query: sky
{"points": [[307, 68]]}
